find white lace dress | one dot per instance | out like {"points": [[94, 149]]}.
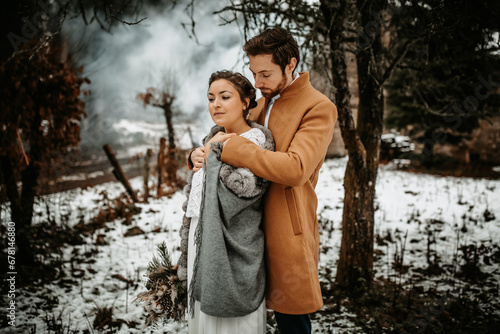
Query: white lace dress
{"points": [[201, 323]]}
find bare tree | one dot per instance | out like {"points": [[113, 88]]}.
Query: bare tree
{"points": [[164, 99]]}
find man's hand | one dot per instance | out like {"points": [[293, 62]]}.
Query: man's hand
{"points": [[221, 137]]}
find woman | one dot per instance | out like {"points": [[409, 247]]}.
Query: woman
{"points": [[222, 243]]}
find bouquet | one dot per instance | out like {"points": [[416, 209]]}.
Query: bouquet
{"points": [[166, 298]]}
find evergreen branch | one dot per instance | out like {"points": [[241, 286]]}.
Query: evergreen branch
{"points": [[429, 109], [392, 65], [166, 297]]}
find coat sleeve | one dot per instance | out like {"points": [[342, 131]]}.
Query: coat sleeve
{"points": [[241, 181], [189, 163], [305, 153]]}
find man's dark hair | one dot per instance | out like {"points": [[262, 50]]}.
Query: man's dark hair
{"points": [[277, 42]]}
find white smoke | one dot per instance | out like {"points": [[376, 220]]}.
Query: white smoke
{"points": [[130, 59]]}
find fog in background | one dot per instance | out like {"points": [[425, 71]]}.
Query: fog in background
{"points": [[130, 59]]}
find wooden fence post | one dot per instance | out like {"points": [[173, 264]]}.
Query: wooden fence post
{"points": [[160, 166], [146, 172], [118, 172]]}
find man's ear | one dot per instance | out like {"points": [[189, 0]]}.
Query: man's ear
{"points": [[292, 64]]}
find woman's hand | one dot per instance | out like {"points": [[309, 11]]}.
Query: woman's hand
{"points": [[219, 137], [197, 157]]}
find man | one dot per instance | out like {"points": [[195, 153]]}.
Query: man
{"points": [[301, 120]]}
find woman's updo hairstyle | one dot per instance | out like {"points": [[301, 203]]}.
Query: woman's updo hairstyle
{"points": [[240, 83]]}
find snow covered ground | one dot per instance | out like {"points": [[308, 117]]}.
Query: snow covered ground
{"points": [[417, 215]]}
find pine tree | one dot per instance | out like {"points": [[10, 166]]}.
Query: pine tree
{"points": [[447, 84]]}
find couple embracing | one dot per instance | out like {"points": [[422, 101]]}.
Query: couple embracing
{"points": [[249, 239]]}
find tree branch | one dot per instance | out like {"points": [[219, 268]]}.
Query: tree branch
{"points": [[82, 10], [429, 109], [392, 65], [126, 22], [49, 38]]}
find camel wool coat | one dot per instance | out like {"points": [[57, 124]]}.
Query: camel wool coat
{"points": [[302, 122]]}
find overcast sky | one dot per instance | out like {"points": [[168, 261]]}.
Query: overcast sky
{"points": [[124, 63]]}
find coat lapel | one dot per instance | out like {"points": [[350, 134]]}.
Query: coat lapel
{"points": [[285, 114]]}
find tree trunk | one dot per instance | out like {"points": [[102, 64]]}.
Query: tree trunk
{"points": [[355, 267], [21, 204], [24, 253], [362, 140], [427, 157], [167, 108], [30, 178], [171, 165]]}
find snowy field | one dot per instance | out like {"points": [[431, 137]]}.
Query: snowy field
{"points": [[420, 218]]}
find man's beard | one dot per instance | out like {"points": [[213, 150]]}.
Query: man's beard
{"points": [[269, 94]]}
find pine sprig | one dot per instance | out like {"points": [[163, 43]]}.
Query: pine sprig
{"points": [[166, 298]]}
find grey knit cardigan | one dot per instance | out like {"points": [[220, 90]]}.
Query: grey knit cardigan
{"points": [[229, 272]]}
